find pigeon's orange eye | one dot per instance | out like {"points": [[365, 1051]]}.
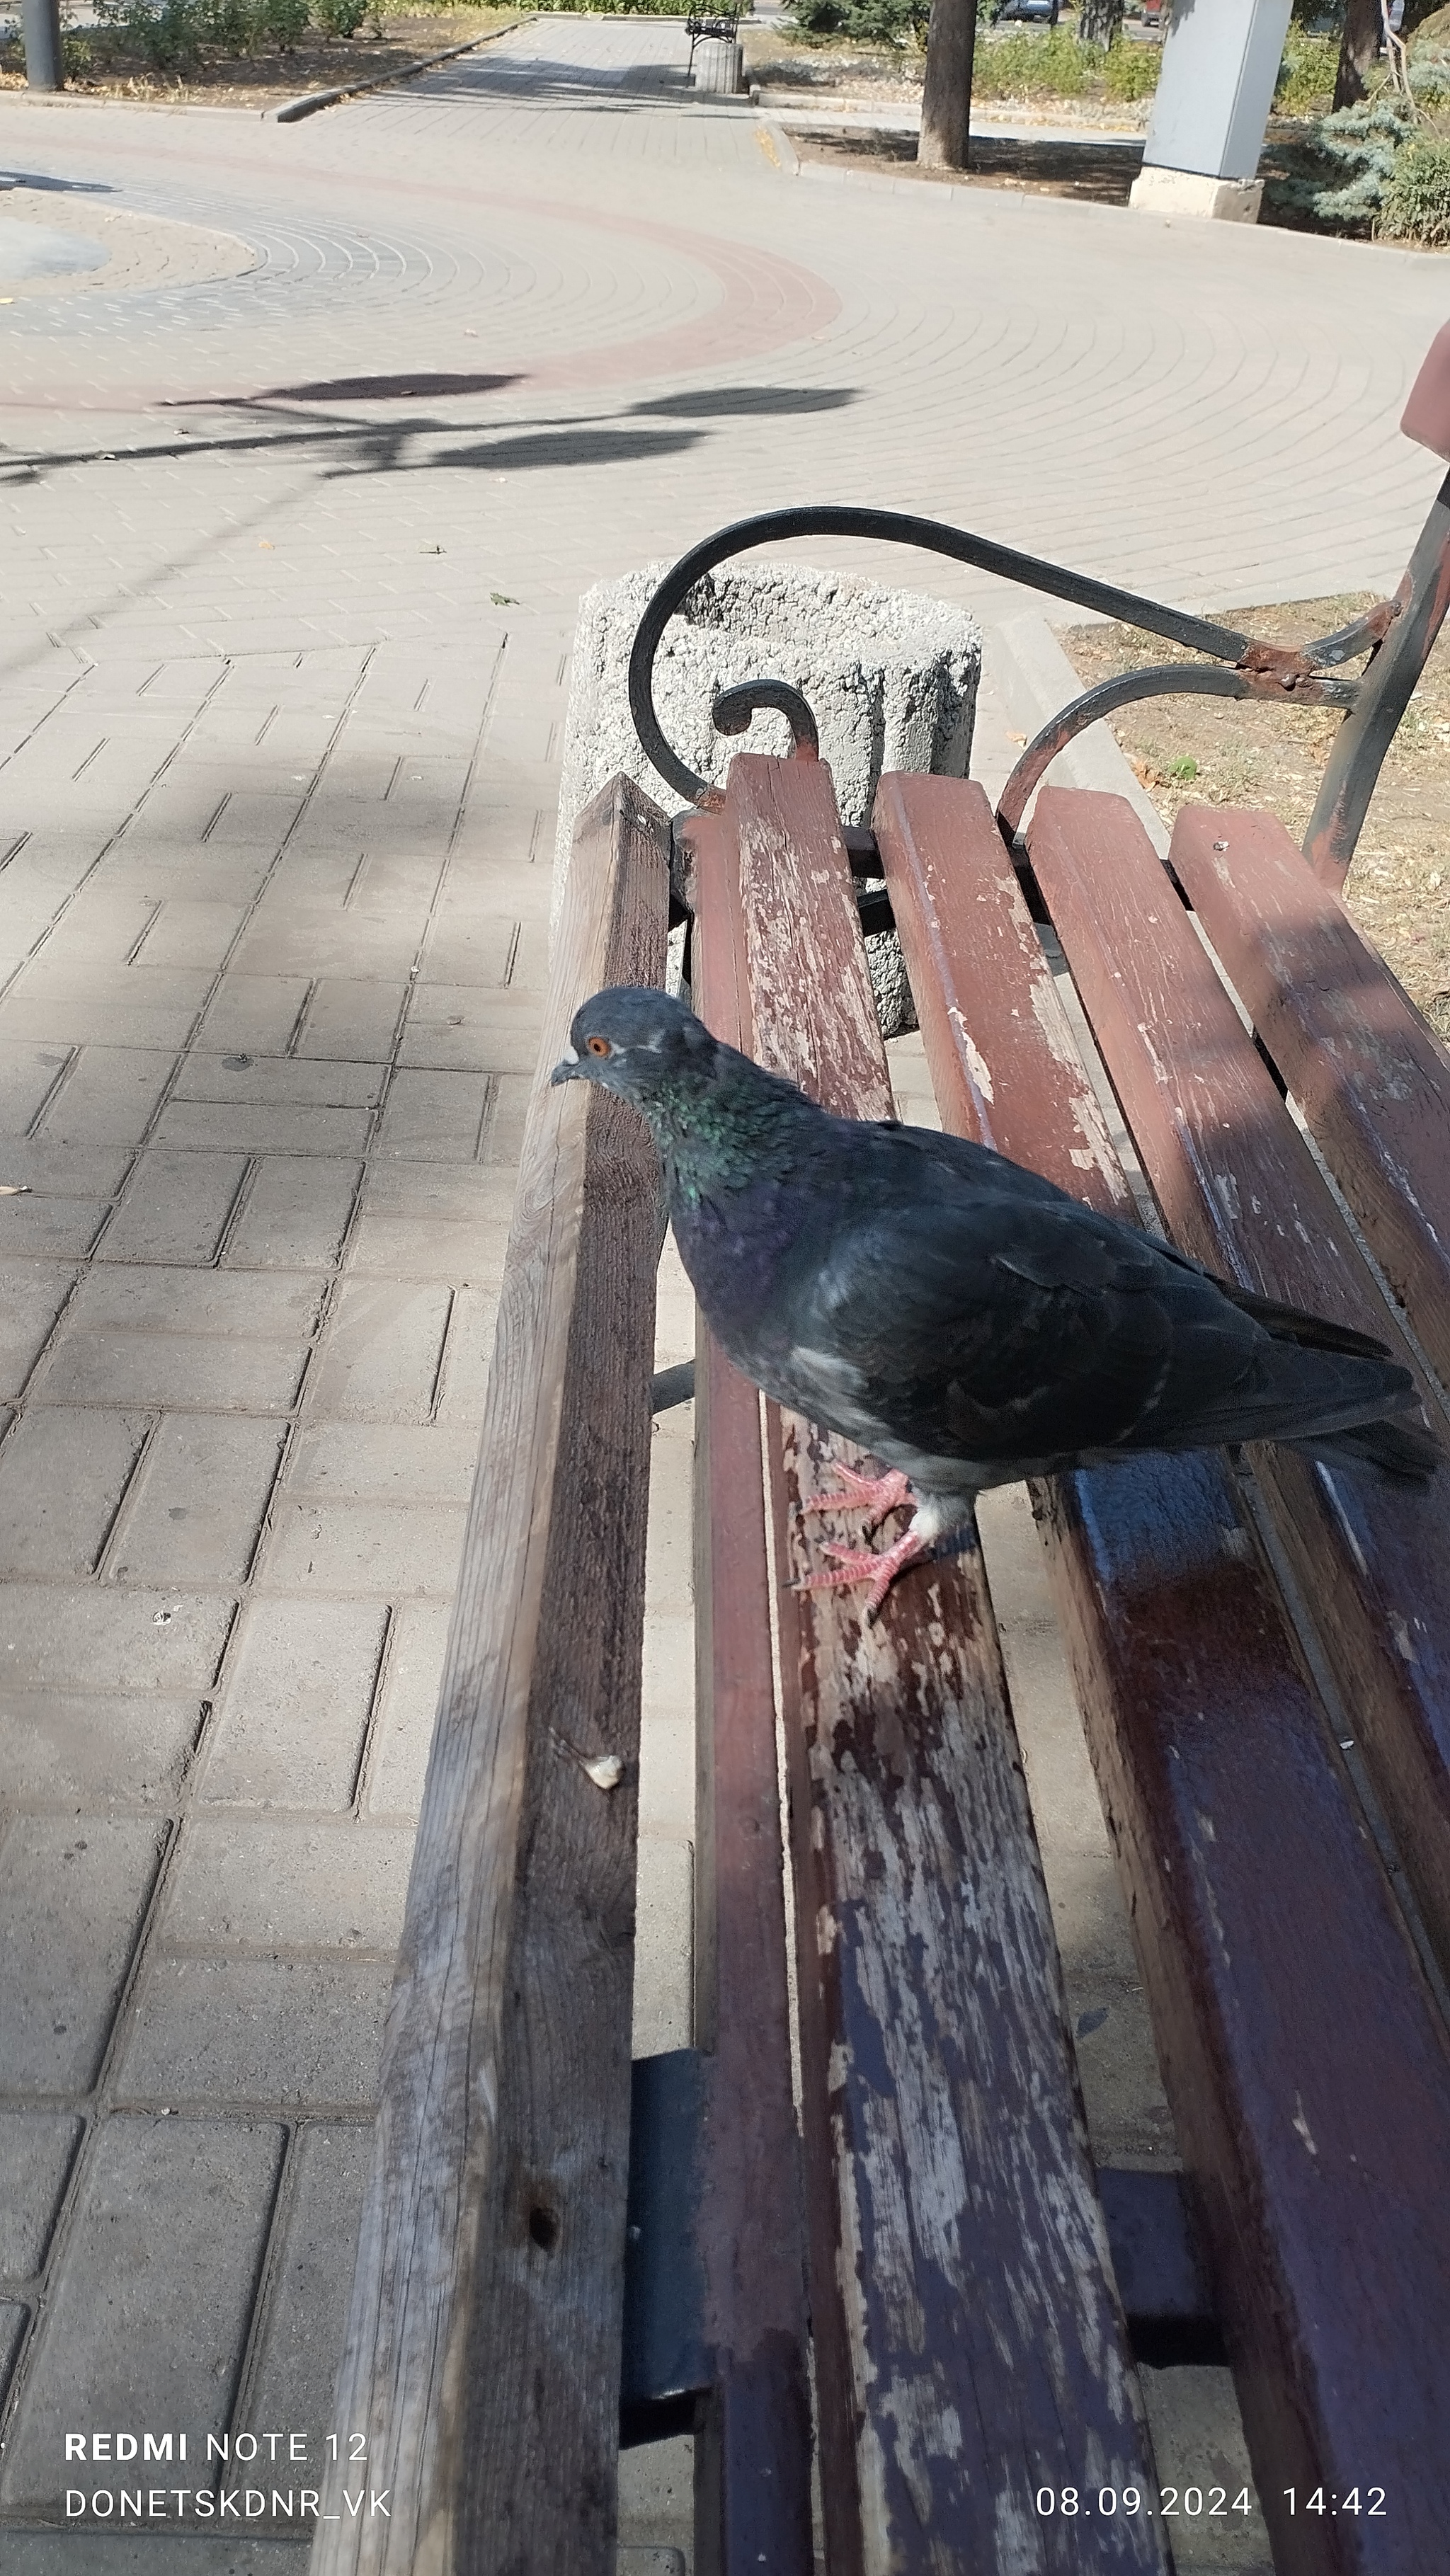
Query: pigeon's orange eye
{"points": [[600, 1046]]}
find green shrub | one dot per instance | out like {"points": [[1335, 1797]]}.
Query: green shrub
{"points": [[165, 35], [1131, 71], [231, 26], [1416, 205], [177, 35], [284, 21], [1305, 86], [1024, 65]]}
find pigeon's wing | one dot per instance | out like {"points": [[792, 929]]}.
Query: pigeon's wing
{"points": [[977, 1166], [999, 1327], [995, 1329]]}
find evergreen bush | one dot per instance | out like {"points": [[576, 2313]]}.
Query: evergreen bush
{"points": [[1341, 173], [871, 22]]}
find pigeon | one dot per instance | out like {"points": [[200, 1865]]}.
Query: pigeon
{"points": [[953, 1313]]}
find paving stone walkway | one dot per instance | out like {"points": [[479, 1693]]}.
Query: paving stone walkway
{"points": [[301, 487]]}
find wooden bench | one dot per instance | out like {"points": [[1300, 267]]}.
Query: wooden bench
{"points": [[856, 2229], [902, 2237]]}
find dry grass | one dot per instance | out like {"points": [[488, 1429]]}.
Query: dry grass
{"points": [[260, 80], [1251, 753]]}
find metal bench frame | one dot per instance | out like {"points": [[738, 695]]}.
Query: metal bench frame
{"points": [[1396, 634], [721, 24]]}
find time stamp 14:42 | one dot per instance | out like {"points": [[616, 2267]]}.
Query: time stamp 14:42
{"points": [[1197, 2504]]}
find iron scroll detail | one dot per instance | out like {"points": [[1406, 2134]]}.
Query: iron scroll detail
{"points": [[1238, 666], [893, 527]]}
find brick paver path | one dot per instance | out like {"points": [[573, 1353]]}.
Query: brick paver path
{"points": [[294, 535]]}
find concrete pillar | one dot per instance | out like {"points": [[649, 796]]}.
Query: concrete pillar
{"points": [[40, 25], [1220, 62]]}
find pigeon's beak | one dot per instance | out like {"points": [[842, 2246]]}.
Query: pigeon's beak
{"points": [[568, 1069]]}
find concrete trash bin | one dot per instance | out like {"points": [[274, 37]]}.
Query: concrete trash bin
{"points": [[718, 65], [890, 676]]}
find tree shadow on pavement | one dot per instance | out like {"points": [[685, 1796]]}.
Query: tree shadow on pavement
{"points": [[579, 444], [731, 400], [390, 447], [409, 387], [61, 187]]}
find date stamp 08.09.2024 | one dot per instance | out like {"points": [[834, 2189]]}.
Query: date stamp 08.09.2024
{"points": [[1200, 2504]]}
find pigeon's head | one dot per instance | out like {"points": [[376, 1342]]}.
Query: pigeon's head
{"points": [[638, 1042]]}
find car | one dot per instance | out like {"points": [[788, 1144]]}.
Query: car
{"points": [[1042, 13]]}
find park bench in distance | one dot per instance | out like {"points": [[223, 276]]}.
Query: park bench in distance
{"points": [[920, 2247]]}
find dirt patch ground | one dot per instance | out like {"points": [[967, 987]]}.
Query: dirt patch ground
{"points": [[1103, 172], [266, 79], [857, 78], [1218, 751]]}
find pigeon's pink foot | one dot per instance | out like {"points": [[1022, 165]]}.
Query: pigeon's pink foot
{"points": [[876, 1494], [863, 1565]]}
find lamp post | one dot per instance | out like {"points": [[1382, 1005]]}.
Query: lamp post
{"points": [[40, 22]]}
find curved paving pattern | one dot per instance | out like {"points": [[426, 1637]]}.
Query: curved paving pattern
{"points": [[294, 556], [1198, 410]]}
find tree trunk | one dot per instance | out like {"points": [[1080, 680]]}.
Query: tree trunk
{"points": [[1099, 22], [1358, 48], [946, 95]]}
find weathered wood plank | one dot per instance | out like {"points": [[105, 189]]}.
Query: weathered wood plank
{"points": [[753, 2450], [1304, 2059], [482, 2355], [1372, 1083], [1240, 1189], [969, 2345]]}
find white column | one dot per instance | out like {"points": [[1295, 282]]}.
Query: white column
{"points": [[1220, 62]]}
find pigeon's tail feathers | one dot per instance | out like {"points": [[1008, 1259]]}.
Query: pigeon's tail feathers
{"points": [[1310, 1398], [1398, 1446], [1404, 1450], [1311, 1332]]}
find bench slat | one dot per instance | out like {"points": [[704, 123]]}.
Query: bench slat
{"points": [[753, 2446], [1369, 1078], [1240, 1189], [970, 2349], [1303, 2056], [482, 2354]]}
